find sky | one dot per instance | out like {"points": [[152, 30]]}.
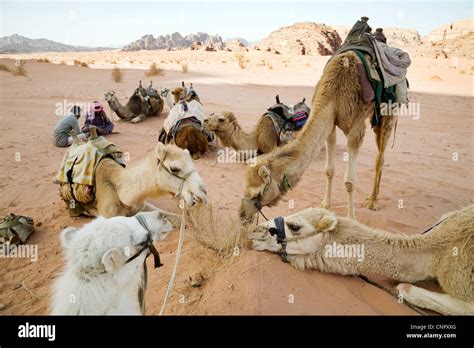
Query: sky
{"points": [[118, 22]]}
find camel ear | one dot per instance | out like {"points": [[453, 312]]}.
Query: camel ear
{"points": [[264, 174], [113, 259], [327, 223], [67, 235], [160, 151]]}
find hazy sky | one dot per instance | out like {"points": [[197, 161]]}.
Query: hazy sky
{"points": [[104, 23]]}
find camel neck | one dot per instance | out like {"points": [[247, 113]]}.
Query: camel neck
{"points": [[358, 249], [119, 109], [138, 182], [306, 147], [240, 140]]}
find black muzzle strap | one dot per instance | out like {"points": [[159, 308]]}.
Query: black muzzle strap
{"points": [[279, 229]]}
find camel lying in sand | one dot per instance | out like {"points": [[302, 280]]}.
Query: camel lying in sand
{"points": [[190, 135], [262, 138], [446, 254], [138, 107], [97, 279]]}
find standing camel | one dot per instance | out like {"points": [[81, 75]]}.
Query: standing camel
{"points": [[337, 101]]}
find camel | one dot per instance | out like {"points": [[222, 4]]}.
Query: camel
{"points": [[190, 135], [262, 138], [445, 254], [100, 277], [337, 101], [137, 107], [124, 191]]}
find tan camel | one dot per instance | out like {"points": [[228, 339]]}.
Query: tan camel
{"points": [[318, 239], [124, 191], [337, 101], [262, 138], [136, 109]]}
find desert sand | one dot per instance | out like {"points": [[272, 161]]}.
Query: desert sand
{"points": [[429, 169]]}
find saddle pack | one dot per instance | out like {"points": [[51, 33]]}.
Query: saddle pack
{"points": [[287, 119], [76, 175]]}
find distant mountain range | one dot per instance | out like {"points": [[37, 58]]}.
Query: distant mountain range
{"points": [[19, 44], [175, 41]]}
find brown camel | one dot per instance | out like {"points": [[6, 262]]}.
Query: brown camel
{"points": [[262, 138], [137, 107], [337, 101], [190, 135]]}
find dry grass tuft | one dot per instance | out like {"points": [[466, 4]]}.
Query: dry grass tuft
{"points": [[184, 67], [269, 66], [436, 78], [117, 74], [462, 72], [19, 69], [3, 67], [241, 60], [80, 63], [225, 236], [154, 70], [43, 60], [62, 62]]}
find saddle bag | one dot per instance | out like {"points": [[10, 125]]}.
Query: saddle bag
{"points": [[300, 115]]}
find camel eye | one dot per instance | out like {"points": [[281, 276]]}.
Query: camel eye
{"points": [[175, 170], [294, 227]]}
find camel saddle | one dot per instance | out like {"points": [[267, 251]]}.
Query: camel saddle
{"points": [[287, 119], [192, 121], [76, 175]]}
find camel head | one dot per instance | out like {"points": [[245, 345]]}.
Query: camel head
{"points": [[103, 246], [164, 92], [178, 93], [109, 96], [104, 264], [262, 188], [223, 121], [177, 174], [303, 231]]}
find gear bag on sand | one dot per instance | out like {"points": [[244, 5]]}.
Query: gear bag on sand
{"points": [[15, 229]]}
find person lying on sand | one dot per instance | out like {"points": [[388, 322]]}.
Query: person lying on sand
{"points": [[97, 117], [61, 134]]}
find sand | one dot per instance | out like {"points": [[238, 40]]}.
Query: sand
{"points": [[430, 169]]}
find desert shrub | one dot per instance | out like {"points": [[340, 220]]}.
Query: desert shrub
{"points": [[19, 69], [3, 67], [269, 66], [184, 67], [43, 60], [80, 63], [62, 62], [241, 60], [154, 70], [117, 74]]}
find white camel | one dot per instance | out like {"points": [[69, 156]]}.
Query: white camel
{"points": [[100, 278]]}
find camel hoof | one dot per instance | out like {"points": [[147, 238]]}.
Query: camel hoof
{"points": [[372, 205], [136, 120], [196, 155]]}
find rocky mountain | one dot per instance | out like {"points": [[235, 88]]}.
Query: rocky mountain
{"points": [[19, 44], [452, 31], [175, 41], [395, 36], [306, 38]]}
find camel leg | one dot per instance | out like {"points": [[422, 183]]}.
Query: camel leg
{"points": [[137, 119], [329, 168], [382, 136], [441, 303], [354, 141]]}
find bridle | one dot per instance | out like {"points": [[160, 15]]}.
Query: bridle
{"points": [[182, 178], [147, 244], [279, 232], [257, 202]]}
